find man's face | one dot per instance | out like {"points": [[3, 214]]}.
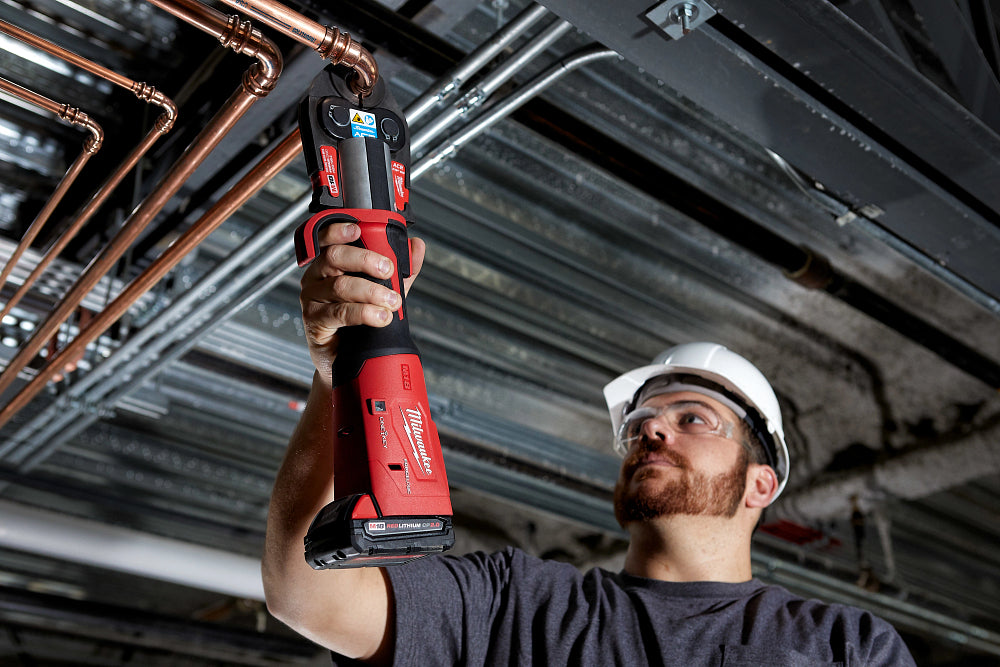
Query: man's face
{"points": [[678, 463]]}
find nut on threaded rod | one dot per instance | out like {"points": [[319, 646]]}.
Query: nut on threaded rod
{"points": [[684, 14], [678, 19]]}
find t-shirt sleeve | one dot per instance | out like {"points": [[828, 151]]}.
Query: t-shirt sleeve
{"points": [[444, 606], [887, 647]]}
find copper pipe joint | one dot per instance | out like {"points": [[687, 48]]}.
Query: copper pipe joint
{"points": [[339, 48], [329, 42], [265, 72], [233, 33], [151, 95], [77, 117], [243, 38]]}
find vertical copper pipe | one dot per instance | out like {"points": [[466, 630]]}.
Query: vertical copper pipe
{"points": [[163, 125], [331, 43], [90, 146], [257, 82], [289, 148]]}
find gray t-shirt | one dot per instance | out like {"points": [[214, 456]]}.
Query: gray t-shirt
{"points": [[509, 608]]}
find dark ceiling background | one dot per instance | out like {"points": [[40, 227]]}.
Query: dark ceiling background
{"points": [[812, 184]]}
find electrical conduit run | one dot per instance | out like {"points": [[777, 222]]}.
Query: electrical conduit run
{"points": [[490, 84], [510, 104], [449, 83]]}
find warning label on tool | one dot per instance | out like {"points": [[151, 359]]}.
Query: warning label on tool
{"points": [[363, 124], [328, 174]]}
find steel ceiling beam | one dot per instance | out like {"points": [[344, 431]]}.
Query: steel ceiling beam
{"points": [[962, 58], [804, 80]]}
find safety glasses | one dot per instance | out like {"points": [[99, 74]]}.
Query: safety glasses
{"points": [[682, 418]]}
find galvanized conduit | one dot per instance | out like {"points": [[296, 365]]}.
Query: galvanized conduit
{"points": [[473, 99], [92, 144], [504, 108], [162, 125], [454, 79], [257, 82]]}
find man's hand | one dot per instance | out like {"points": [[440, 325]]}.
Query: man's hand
{"points": [[330, 298]]}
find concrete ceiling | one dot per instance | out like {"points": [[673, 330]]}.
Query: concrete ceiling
{"points": [[810, 183]]}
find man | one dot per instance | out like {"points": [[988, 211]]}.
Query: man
{"points": [[704, 454]]}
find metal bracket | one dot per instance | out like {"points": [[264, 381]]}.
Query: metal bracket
{"points": [[679, 18]]}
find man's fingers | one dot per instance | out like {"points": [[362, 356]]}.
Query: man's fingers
{"points": [[347, 301], [322, 320], [337, 259], [338, 233], [348, 289]]}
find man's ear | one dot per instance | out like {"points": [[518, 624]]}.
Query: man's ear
{"points": [[762, 484]]}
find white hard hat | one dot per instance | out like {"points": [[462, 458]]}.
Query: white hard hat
{"points": [[730, 378]]}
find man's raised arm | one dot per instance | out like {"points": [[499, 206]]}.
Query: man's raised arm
{"points": [[348, 610]]}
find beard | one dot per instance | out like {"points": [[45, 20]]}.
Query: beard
{"points": [[694, 493]]}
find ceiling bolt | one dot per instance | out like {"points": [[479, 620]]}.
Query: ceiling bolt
{"points": [[684, 13]]}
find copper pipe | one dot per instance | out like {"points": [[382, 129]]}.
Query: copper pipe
{"points": [[90, 146], [329, 42], [257, 81], [144, 92], [163, 125], [279, 158]]}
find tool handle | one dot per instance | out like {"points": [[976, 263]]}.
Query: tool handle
{"points": [[383, 232]]}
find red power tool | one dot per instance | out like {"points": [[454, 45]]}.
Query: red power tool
{"points": [[392, 503]]}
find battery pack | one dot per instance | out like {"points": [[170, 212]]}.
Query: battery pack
{"points": [[337, 539]]}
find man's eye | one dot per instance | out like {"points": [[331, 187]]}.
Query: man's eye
{"points": [[692, 418]]}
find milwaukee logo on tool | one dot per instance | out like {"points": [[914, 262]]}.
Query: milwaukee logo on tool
{"points": [[413, 422]]}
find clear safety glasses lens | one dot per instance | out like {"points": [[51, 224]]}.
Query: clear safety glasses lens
{"points": [[682, 418]]}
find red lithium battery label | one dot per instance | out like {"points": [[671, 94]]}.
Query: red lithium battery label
{"points": [[328, 174], [399, 185]]}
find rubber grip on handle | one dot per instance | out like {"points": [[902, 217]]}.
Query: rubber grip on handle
{"points": [[307, 234]]}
